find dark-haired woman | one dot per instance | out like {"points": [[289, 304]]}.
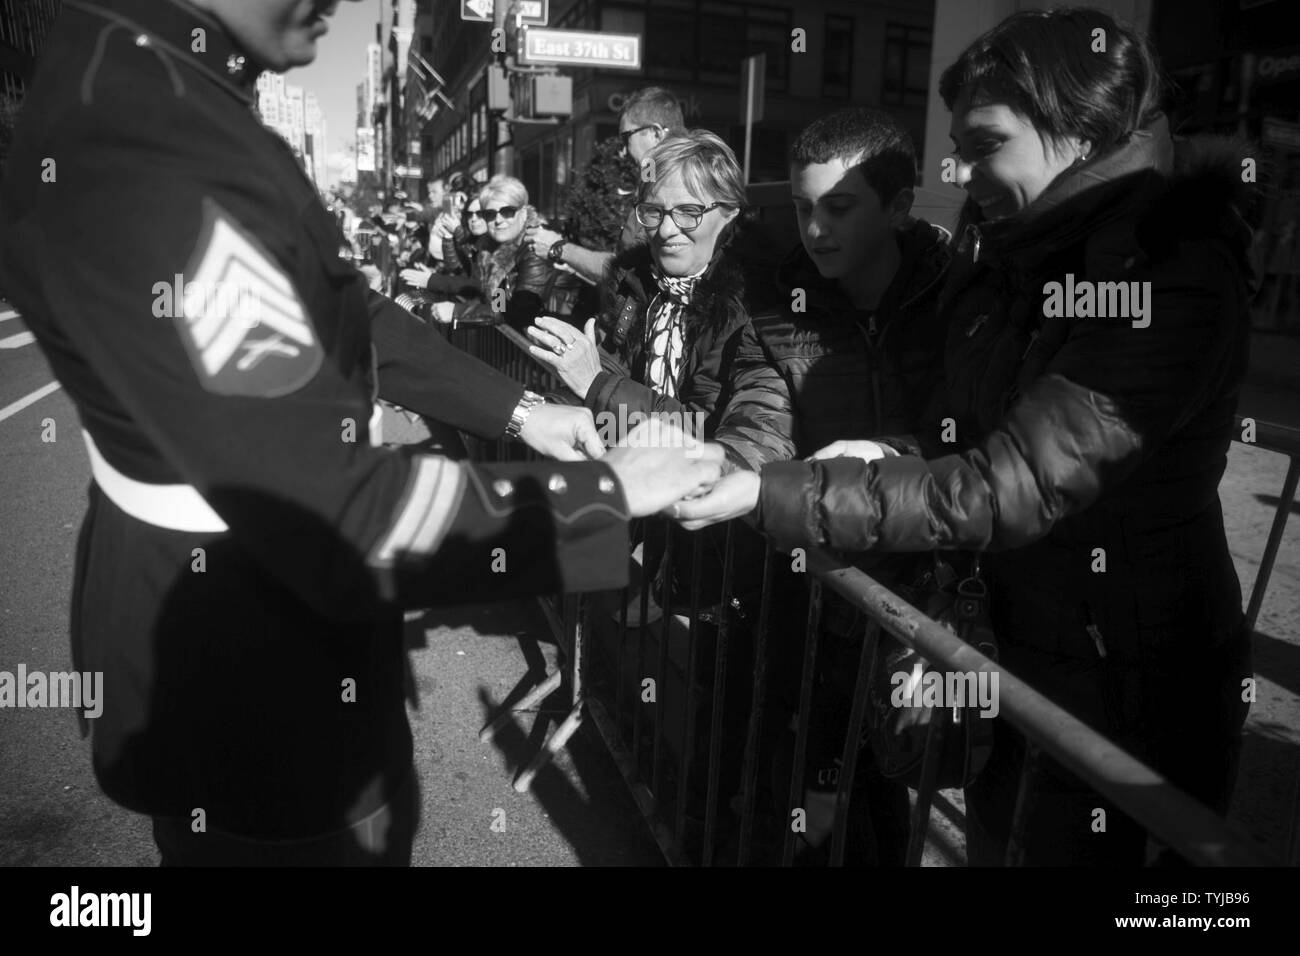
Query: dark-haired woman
{"points": [[1090, 434]]}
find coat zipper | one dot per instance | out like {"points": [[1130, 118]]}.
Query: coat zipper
{"points": [[1094, 632]]}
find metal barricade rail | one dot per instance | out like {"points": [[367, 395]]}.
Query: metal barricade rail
{"points": [[582, 626]]}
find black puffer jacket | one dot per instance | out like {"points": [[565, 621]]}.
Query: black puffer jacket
{"points": [[725, 376], [853, 375], [1078, 440]]}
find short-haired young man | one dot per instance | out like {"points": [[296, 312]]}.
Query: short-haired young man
{"points": [[647, 116], [850, 319]]}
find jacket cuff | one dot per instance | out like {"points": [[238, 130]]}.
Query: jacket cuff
{"points": [[600, 391], [534, 528], [786, 503], [900, 444]]}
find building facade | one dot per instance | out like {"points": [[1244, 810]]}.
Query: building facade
{"points": [[296, 116], [821, 54]]}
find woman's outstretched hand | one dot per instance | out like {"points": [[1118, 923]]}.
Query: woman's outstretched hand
{"points": [[572, 354]]}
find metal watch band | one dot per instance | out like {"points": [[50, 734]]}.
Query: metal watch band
{"points": [[520, 415], [556, 252]]}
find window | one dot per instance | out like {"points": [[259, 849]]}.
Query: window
{"points": [[907, 65], [774, 40], [669, 45], [837, 63], [722, 45], [577, 17]]}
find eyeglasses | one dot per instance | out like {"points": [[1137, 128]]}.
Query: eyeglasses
{"points": [[472, 214], [687, 217], [626, 135], [505, 212]]}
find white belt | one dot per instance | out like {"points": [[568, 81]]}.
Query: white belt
{"points": [[176, 507]]}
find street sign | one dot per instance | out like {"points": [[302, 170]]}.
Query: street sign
{"points": [[534, 13], [621, 51], [478, 10]]}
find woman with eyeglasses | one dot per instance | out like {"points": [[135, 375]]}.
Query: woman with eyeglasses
{"points": [[675, 340], [675, 335]]}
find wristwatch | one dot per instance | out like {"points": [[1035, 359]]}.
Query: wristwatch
{"points": [[520, 415], [556, 252]]}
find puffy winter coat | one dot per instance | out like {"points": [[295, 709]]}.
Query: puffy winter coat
{"points": [[851, 374], [1082, 448]]}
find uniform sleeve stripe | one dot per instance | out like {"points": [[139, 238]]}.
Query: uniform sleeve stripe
{"points": [[417, 506], [444, 505]]}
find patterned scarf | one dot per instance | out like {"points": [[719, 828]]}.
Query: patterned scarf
{"points": [[666, 348]]}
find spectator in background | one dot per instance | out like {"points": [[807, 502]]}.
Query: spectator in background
{"points": [[515, 285], [458, 280], [648, 116]]}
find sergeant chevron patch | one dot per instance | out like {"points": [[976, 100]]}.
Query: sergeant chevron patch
{"points": [[239, 316]]}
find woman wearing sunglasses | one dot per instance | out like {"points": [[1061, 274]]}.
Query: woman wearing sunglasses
{"points": [[515, 284], [458, 258]]}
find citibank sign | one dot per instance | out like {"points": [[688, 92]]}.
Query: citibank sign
{"points": [[690, 105], [1275, 68]]}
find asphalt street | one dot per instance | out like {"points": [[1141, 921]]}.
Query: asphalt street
{"points": [[467, 660]]}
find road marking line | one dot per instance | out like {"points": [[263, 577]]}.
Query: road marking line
{"points": [[6, 316], [17, 341], [22, 403]]}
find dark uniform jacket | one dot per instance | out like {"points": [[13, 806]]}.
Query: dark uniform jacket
{"points": [[227, 656], [1076, 438]]}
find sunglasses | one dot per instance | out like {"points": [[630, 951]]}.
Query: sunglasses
{"points": [[505, 212], [626, 135], [687, 217], [475, 214]]}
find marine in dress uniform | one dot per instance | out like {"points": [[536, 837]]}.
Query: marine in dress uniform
{"points": [[243, 566]]}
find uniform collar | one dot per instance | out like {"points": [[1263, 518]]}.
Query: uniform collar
{"points": [[171, 24]]}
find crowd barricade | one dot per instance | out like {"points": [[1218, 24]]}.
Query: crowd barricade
{"points": [[659, 696]]}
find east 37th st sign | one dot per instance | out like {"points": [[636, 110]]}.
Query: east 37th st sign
{"points": [[581, 48]]}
